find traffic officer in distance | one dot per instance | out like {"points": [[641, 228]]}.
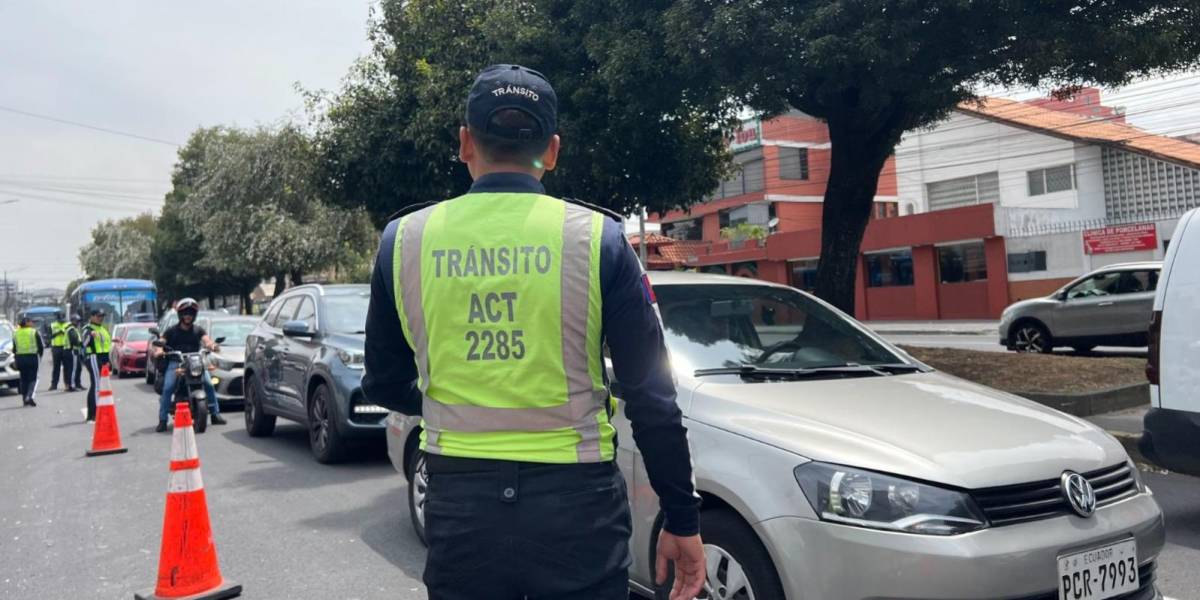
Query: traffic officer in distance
{"points": [[28, 348], [75, 341], [60, 352], [488, 316], [97, 343]]}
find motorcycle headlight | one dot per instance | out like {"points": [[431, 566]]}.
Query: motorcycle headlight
{"points": [[195, 366], [351, 359], [867, 499]]}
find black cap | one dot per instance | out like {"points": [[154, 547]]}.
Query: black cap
{"points": [[76, 317], [97, 312], [501, 87]]}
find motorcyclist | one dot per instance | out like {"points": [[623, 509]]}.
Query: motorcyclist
{"points": [[185, 336]]}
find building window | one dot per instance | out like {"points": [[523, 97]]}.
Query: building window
{"points": [[804, 274], [793, 163], [886, 269], [1027, 262], [961, 263], [752, 175], [964, 191], [1054, 179], [884, 210], [684, 230]]}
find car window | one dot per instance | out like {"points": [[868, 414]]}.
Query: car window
{"points": [[286, 311], [307, 312], [137, 334], [1138, 282], [119, 333], [6, 331], [346, 313], [272, 313], [711, 326], [234, 331], [1102, 284]]}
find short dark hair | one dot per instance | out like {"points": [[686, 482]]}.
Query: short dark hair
{"points": [[498, 149]]}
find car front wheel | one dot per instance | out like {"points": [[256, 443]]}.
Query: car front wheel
{"points": [[258, 423], [323, 437], [739, 567], [1031, 338], [418, 489]]}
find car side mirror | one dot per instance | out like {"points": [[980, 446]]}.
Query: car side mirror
{"points": [[153, 331], [297, 329]]}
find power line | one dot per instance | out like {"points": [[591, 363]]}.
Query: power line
{"points": [[87, 126]]}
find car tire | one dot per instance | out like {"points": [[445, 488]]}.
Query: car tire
{"points": [[732, 545], [323, 437], [258, 422], [418, 490], [1030, 337]]}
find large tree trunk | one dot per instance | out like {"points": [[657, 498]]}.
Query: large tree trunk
{"points": [[297, 278], [280, 285], [855, 163], [247, 307]]}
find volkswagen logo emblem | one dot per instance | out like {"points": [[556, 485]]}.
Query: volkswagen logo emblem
{"points": [[1079, 494]]}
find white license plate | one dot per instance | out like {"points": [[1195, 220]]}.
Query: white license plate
{"points": [[1099, 573]]}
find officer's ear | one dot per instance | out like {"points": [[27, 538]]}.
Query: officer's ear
{"points": [[550, 156], [466, 145]]}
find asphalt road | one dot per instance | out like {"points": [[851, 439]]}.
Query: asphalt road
{"points": [[990, 343], [285, 526]]}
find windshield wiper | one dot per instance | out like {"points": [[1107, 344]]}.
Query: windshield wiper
{"points": [[749, 370], [895, 368]]}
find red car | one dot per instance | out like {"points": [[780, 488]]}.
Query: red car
{"points": [[130, 342]]}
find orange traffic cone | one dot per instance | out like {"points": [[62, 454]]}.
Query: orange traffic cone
{"points": [[106, 435], [187, 562]]}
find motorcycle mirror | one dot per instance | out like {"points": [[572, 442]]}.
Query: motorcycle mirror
{"points": [[153, 331], [220, 340], [158, 343]]}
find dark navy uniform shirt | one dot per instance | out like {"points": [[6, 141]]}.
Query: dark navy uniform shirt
{"points": [[630, 328]]}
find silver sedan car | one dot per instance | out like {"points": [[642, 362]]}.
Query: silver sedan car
{"points": [[230, 362], [834, 466]]}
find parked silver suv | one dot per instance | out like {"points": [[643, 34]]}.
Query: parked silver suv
{"points": [[1110, 306], [834, 466]]}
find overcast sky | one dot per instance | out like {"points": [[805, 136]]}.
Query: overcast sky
{"points": [[161, 69]]}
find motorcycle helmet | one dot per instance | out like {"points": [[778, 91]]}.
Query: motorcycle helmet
{"points": [[187, 306]]}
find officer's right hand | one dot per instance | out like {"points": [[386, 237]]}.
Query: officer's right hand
{"points": [[688, 555]]}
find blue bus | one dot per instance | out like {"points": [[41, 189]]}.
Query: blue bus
{"points": [[123, 300], [42, 317]]}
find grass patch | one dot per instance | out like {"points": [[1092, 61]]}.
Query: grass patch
{"points": [[1044, 373]]}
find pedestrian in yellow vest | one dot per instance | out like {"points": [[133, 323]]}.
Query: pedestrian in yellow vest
{"points": [[60, 351], [28, 347], [488, 316]]}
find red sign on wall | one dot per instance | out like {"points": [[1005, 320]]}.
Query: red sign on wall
{"points": [[1125, 238]]}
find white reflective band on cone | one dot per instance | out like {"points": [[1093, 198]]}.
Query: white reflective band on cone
{"points": [[185, 481], [104, 398], [183, 444]]}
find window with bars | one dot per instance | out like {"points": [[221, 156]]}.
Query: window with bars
{"points": [[1050, 180], [887, 269], [1137, 187], [793, 163], [961, 263], [964, 191], [1027, 262]]}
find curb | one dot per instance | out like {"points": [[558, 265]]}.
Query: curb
{"points": [[1094, 403], [887, 331]]}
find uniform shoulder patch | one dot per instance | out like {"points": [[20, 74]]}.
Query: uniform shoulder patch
{"points": [[411, 208], [600, 209]]}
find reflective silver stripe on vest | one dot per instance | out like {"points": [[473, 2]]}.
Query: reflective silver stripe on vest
{"points": [[583, 403]]}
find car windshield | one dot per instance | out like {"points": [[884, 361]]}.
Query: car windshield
{"points": [[234, 332], [715, 326], [137, 334], [346, 313], [6, 332]]}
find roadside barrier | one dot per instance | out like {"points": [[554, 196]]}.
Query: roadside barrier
{"points": [[187, 562], [106, 434]]}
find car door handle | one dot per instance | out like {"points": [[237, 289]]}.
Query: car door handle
{"points": [[1109, 303]]}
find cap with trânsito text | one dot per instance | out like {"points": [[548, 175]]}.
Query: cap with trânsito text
{"points": [[501, 87]]}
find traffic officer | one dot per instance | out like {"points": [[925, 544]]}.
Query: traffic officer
{"points": [[488, 315], [60, 352], [28, 348], [75, 340], [97, 343]]}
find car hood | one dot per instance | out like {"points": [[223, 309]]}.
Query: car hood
{"points": [[928, 426], [1029, 304], [347, 341], [233, 353], [140, 345]]}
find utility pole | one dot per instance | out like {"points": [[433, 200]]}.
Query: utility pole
{"points": [[642, 236]]}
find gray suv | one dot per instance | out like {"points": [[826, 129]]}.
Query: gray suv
{"points": [[304, 362], [1110, 306]]}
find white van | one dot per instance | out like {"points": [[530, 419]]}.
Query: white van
{"points": [[1172, 426]]}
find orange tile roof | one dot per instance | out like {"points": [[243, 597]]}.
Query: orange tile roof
{"points": [[1080, 128], [652, 239]]}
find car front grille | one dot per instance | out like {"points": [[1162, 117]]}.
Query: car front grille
{"points": [[1145, 591], [235, 387], [1011, 504]]}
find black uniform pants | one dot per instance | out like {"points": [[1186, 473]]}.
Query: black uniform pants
{"points": [[510, 531], [94, 362], [77, 372], [62, 363], [27, 365]]}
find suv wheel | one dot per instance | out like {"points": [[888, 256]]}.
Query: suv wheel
{"points": [[1031, 337], [739, 567], [418, 490], [323, 437], [258, 423]]}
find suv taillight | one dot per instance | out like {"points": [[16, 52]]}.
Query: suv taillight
{"points": [[1152, 362]]}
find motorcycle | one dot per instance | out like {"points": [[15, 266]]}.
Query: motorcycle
{"points": [[189, 385]]}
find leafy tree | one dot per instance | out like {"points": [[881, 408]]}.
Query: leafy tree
{"points": [[120, 249], [638, 128], [873, 69]]}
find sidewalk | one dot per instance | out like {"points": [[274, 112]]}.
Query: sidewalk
{"points": [[1126, 426], [981, 327]]}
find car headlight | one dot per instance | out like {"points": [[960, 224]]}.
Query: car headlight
{"points": [[868, 499], [351, 359]]}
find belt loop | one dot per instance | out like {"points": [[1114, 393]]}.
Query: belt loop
{"points": [[510, 482]]}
